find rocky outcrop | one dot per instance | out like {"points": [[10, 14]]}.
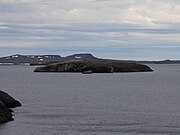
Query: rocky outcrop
{"points": [[85, 66], [6, 102], [5, 113], [9, 101]]}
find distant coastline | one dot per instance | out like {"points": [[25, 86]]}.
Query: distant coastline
{"points": [[27, 60]]}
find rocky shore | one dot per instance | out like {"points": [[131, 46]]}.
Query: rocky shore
{"points": [[7, 102], [85, 66]]}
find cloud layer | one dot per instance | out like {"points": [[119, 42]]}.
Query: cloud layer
{"points": [[131, 29]]}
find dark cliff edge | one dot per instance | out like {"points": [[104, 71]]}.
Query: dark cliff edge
{"points": [[7, 102], [84, 66]]}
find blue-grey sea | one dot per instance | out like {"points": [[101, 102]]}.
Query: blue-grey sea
{"points": [[96, 104]]}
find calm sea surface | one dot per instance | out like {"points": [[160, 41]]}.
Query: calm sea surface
{"points": [[96, 104]]}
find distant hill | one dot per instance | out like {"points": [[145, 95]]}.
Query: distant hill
{"points": [[18, 59], [85, 56]]}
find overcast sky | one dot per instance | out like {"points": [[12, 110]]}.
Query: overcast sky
{"points": [[120, 29]]}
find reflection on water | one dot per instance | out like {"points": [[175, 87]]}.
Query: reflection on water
{"points": [[96, 104]]}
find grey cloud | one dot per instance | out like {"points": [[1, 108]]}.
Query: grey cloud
{"points": [[88, 27], [109, 25], [15, 8]]}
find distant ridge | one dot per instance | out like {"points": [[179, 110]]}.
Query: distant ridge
{"points": [[85, 56], [18, 59]]}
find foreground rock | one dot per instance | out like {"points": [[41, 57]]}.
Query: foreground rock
{"points": [[9, 101], [84, 66], [6, 102], [5, 113]]}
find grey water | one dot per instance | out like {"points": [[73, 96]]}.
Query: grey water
{"points": [[96, 104]]}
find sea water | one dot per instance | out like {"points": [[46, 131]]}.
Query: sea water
{"points": [[95, 104]]}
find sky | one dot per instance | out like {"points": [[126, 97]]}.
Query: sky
{"points": [[118, 29]]}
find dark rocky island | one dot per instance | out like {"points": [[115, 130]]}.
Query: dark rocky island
{"points": [[85, 66], [7, 102]]}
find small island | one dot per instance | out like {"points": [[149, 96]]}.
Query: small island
{"points": [[7, 102], [88, 67]]}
